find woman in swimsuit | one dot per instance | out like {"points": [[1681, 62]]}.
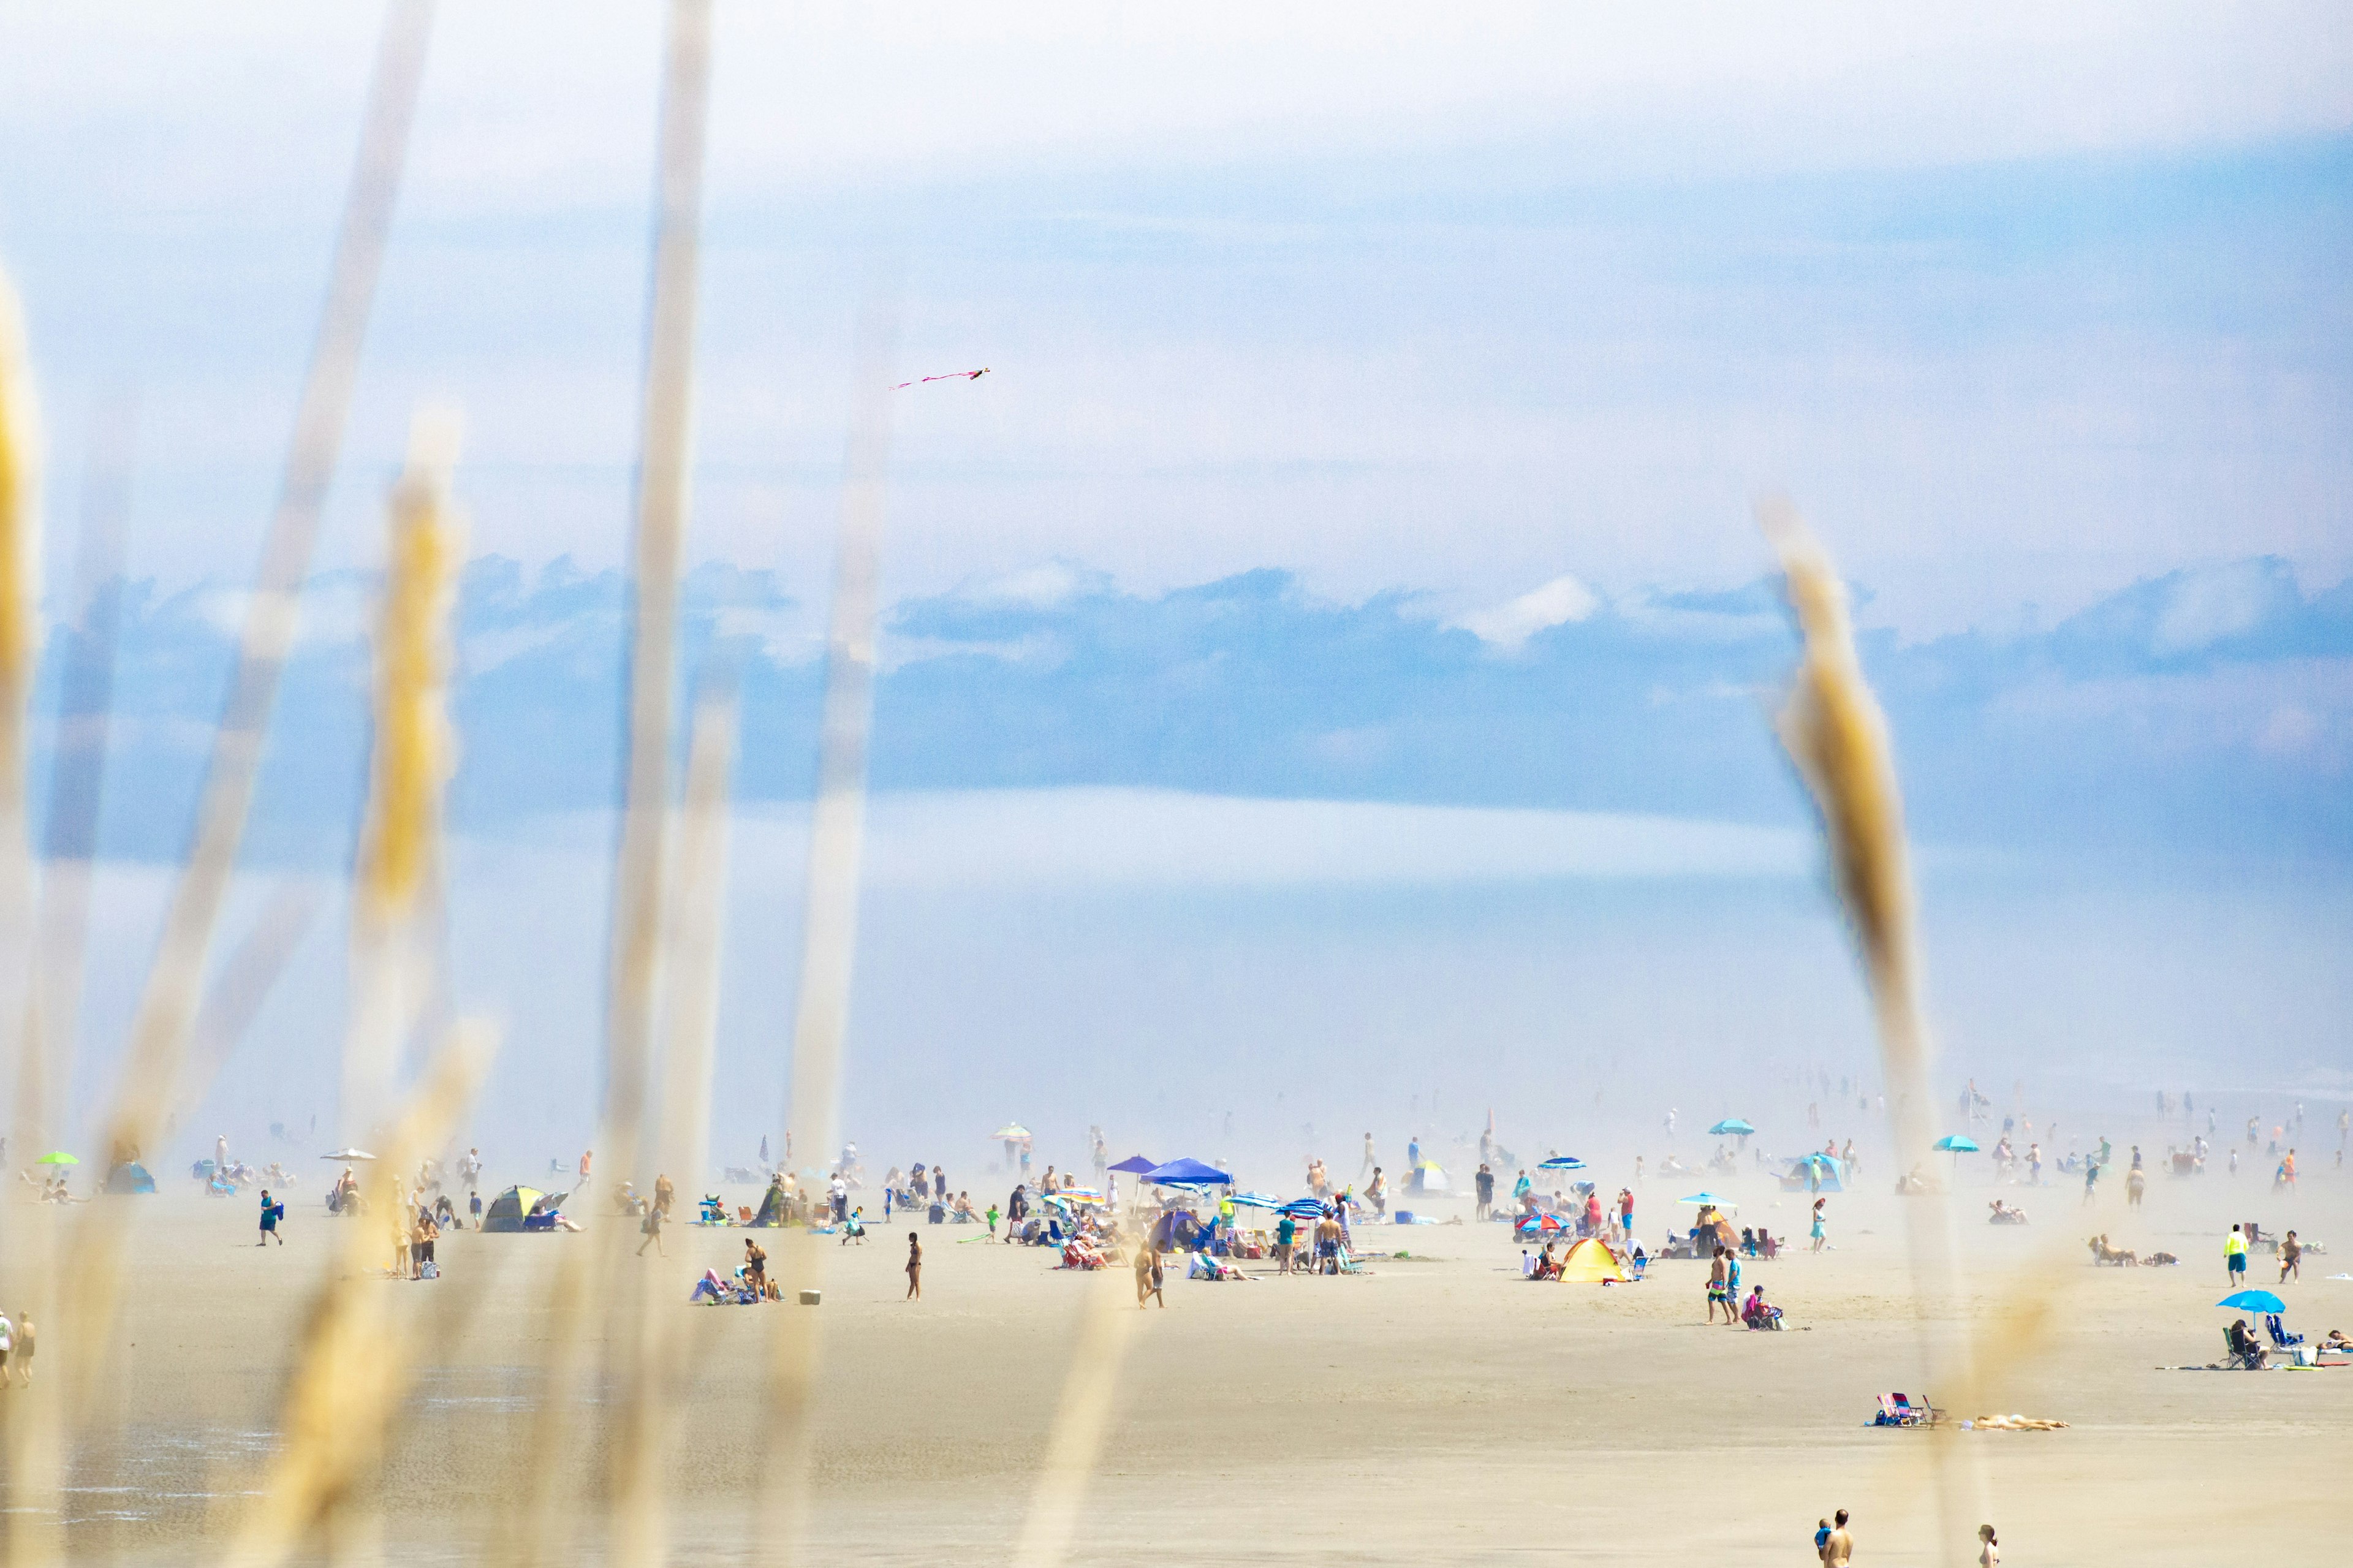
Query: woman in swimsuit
{"points": [[914, 1267]]}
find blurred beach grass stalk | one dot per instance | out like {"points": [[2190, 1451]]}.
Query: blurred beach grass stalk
{"points": [[32, 1451], [829, 914], [159, 1031], [587, 1277], [1835, 733]]}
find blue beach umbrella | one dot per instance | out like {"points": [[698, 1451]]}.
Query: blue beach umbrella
{"points": [[2253, 1301], [1561, 1162], [1303, 1208], [1731, 1126], [1954, 1143], [1706, 1200], [1257, 1201]]}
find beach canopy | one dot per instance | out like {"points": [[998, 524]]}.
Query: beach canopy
{"points": [[1733, 1126], [1135, 1165], [2253, 1301], [348, 1155], [1591, 1261], [57, 1159], [1705, 1200], [1561, 1162], [1187, 1173], [1954, 1143], [1257, 1201], [1011, 1129]]}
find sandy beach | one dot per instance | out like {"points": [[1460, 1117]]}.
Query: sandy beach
{"points": [[1438, 1410]]}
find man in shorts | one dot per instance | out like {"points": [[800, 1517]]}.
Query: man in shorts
{"points": [[1284, 1229], [1839, 1550], [2234, 1257], [1716, 1288]]}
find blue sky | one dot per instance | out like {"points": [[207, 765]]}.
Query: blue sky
{"points": [[1377, 404]]}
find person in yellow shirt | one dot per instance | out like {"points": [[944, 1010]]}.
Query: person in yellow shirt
{"points": [[2234, 1256]]}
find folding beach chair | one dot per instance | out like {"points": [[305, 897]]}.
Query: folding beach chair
{"points": [[2237, 1360], [2279, 1336], [1921, 1414]]}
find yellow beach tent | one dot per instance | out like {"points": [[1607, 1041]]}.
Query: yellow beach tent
{"points": [[1589, 1262]]}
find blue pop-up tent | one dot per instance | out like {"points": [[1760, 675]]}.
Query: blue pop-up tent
{"points": [[1187, 1173], [1134, 1165]]}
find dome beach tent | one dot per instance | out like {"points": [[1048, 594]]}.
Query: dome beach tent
{"points": [[131, 1176], [511, 1208], [1591, 1262]]}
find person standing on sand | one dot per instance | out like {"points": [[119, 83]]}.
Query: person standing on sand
{"points": [[1370, 1158], [587, 1157], [1988, 1548], [1839, 1550], [270, 1213], [1148, 1277], [1486, 1185], [2234, 1258], [1821, 1224], [1625, 1214], [1715, 1287], [915, 1268]]}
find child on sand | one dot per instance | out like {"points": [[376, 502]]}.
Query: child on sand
{"points": [[1147, 1277], [914, 1267]]}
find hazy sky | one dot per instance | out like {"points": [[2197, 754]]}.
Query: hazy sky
{"points": [[1356, 518]]}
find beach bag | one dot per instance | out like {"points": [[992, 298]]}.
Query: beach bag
{"points": [[651, 1223], [431, 1271]]}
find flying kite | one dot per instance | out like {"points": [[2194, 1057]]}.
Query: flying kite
{"points": [[953, 375]]}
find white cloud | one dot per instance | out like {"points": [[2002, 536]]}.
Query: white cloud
{"points": [[1509, 625]]}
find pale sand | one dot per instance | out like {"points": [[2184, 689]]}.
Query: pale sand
{"points": [[1440, 1411]]}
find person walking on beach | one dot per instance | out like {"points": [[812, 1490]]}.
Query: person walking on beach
{"points": [[271, 1213], [1625, 1214], [1716, 1295], [1486, 1183], [1821, 1224], [23, 1355], [652, 1226], [1988, 1548], [587, 1156], [2234, 1257], [914, 1267], [2291, 1257], [1370, 1158], [2090, 1181], [1147, 1277]]}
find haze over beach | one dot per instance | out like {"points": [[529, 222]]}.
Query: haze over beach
{"points": [[1293, 673]]}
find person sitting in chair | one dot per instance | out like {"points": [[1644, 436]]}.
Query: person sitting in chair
{"points": [[1756, 1313], [2244, 1347]]}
